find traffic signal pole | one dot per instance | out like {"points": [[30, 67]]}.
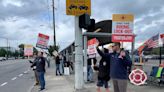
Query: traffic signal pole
{"points": [[78, 55]]}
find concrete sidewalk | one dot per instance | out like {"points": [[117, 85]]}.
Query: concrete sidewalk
{"points": [[66, 84], [55, 83]]}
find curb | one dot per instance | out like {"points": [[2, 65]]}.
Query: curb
{"points": [[30, 90]]}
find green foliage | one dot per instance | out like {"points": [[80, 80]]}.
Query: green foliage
{"points": [[35, 50], [154, 51], [21, 50], [52, 48], [3, 52]]}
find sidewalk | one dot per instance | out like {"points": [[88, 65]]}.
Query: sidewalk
{"points": [[55, 83], [66, 84]]}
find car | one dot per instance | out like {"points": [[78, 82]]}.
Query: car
{"points": [[2, 58], [83, 7], [72, 7]]}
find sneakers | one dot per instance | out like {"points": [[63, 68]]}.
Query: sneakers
{"points": [[36, 84], [41, 89]]}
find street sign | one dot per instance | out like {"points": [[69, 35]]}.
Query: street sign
{"points": [[122, 38], [92, 47], [138, 77], [28, 50], [42, 41], [122, 28], [78, 7]]}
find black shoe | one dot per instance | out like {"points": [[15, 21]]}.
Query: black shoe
{"points": [[36, 84], [41, 89]]}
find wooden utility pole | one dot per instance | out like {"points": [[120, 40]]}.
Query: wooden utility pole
{"points": [[53, 10]]}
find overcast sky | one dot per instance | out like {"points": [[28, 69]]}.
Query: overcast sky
{"points": [[22, 20]]}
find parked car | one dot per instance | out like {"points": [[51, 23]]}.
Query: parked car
{"points": [[2, 58]]}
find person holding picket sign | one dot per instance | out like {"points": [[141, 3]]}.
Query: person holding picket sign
{"points": [[119, 62]]}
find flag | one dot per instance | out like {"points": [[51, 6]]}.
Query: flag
{"points": [[153, 42]]}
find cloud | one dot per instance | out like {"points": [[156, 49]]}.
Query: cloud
{"points": [[22, 20]]}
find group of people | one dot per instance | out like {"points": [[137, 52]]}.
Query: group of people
{"points": [[113, 65], [38, 66], [62, 62]]}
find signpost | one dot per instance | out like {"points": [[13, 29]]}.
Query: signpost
{"points": [[138, 77], [122, 28], [78, 7], [28, 50], [42, 41], [162, 38]]}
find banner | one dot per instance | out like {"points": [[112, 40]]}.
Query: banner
{"points": [[28, 50], [42, 41], [122, 28], [92, 47]]}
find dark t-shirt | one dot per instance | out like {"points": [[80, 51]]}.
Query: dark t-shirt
{"points": [[89, 61], [57, 60]]}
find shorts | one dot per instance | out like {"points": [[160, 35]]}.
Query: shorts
{"points": [[102, 83]]}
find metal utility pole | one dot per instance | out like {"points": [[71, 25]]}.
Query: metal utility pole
{"points": [[53, 10], [85, 59], [79, 82]]}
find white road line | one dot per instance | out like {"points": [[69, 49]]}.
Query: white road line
{"points": [[20, 75], [14, 78], [25, 72], [3, 84]]}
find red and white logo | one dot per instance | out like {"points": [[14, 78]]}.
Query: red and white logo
{"points": [[138, 77]]}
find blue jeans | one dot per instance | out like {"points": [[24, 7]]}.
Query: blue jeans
{"points": [[62, 67], [41, 79], [58, 69], [89, 73]]}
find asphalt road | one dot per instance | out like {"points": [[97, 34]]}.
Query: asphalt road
{"points": [[15, 76]]}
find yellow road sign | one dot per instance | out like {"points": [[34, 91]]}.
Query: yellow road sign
{"points": [[123, 17], [78, 7]]}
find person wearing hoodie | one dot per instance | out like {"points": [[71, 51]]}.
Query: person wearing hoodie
{"points": [[119, 62], [103, 73]]}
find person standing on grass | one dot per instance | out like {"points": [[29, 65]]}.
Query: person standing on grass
{"points": [[120, 61], [40, 69]]}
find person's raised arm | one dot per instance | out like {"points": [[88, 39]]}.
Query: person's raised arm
{"points": [[102, 54]]}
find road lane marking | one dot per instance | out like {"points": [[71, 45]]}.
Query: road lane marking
{"points": [[14, 78], [3, 84], [25, 72], [20, 75]]}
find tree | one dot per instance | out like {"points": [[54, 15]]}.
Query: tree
{"points": [[21, 49], [3, 52], [35, 50], [52, 48]]}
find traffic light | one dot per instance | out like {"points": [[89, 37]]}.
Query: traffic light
{"points": [[85, 21]]}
